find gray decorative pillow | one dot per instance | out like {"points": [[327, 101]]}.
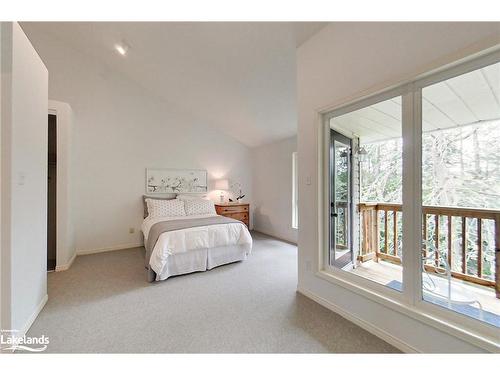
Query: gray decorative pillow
{"points": [[153, 197]]}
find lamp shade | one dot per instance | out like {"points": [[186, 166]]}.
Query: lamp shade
{"points": [[221, 184]]}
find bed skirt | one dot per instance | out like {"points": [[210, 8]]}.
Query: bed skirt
{"points": [[201, 260]]}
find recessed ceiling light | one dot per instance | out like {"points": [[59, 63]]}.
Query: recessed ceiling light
{"points": [[122, 48]]}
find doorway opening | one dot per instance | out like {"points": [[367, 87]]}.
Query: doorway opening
{"points": [[52, 193]]}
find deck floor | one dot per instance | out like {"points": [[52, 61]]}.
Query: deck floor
{"points": [[384, 273]]}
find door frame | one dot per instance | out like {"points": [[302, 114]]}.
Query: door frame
{"points": [[334, 134]]}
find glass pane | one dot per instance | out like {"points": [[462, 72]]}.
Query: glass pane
{"points": [[295, 200], [461, 193], [341, 195], [342, 255], [366, 175]]}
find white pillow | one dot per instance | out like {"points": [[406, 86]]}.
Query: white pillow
{"points": [[199, 207], [187, 197], [165, 208]]}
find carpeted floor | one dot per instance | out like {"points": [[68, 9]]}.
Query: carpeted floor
{"points": [[104, 304]]}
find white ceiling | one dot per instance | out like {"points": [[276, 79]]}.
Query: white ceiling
{"points": [[237, 77], [459, 101]]}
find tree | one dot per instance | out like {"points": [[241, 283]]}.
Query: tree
{"points": [[460, 167]]}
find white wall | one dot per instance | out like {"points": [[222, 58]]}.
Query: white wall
{"points": [[119, 130], [23, 179], [340, 63], [2, 262], [272, 188]]}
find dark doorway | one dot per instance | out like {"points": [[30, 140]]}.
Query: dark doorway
{"points": [[52, 194]]}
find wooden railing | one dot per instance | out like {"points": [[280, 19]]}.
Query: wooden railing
{"points": [[342, 228], [378, 219]]}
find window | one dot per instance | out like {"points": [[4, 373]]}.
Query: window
{"points": [[424, 153], [365, 192], [295, 195], [461, 193]]}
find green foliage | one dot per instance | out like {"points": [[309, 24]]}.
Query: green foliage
{"points": [[460, 168], [381, 172]]}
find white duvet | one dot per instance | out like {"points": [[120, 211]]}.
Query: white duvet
{"points": [[184, 240]]}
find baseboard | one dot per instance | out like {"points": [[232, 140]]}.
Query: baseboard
{"points": [[106, 249], [66, 266], [33, 316], [380, 333], [276, 237]]}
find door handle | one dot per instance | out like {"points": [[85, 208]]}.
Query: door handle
{"points": [[334, 214]]}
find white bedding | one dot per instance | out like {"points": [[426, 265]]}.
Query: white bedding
{"points": [[192, 240]]}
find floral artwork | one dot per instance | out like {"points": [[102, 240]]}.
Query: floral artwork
{"points": [[164, 181]]}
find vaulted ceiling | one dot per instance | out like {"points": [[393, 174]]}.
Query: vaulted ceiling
{"points": [[237, 77]]}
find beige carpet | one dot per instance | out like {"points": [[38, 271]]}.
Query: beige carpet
{"points": [[104, 304]]}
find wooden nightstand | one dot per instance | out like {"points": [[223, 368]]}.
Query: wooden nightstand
{"points": [[238, 211]]}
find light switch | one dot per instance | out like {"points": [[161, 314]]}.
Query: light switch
{"points": [[308, 180], [21, 179]]}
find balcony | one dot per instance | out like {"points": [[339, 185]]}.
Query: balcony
{"points": [[460, 253]]}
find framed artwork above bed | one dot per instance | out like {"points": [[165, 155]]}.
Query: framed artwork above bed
{"points": [[164, 181]]}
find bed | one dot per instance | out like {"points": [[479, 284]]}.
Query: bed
{"points": [[186, 235]]}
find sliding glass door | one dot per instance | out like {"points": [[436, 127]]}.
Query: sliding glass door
{"points": [[461, 194], [412, 195]]}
